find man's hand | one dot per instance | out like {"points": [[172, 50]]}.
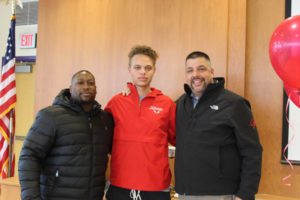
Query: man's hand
{"points": [[126, 91], [237, 198]]}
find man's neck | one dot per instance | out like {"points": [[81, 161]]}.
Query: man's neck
{"points": [[197, 94], [143, 91], [87, 107]]}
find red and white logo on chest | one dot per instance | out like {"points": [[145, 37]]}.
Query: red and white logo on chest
{"points": [[155, 109]]}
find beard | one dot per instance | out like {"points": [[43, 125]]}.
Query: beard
{"points": [[200, 86], [202, 81]]}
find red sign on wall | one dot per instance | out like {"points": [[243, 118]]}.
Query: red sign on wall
{"points": [[27, 40]]}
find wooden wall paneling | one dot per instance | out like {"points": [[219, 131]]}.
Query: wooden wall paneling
{"points": [[265, 91], [54, 52], [97, 35], [236, 46], [195, 25]]}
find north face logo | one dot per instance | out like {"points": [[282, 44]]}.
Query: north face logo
{"points": [[214, 107], [155, 109]]}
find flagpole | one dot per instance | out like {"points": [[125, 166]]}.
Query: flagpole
{"points": [[13, 7], [11, 116], [11, 139]]}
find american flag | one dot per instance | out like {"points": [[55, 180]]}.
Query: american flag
{"points": [[8, 98]]}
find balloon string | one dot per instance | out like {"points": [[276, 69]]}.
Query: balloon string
{"points": [[284, 179]]}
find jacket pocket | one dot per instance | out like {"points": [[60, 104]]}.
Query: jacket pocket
{"points": [[230, 164], [53, 179], [206, 158]]}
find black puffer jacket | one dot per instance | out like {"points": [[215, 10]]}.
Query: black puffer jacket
{"points": [[64, 155]]}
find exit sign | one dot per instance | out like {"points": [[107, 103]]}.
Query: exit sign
{"points": [[27, 40]]}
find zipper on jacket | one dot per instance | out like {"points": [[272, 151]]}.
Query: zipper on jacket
{"points": [[90, 123], [92, 153], [57, 174], [140, 104], [140, 107]]}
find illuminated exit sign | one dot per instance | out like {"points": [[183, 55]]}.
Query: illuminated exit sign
{"points": [[27, 40]]}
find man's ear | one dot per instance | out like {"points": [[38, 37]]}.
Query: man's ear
{"points": [[213, 71], [70, 88]]}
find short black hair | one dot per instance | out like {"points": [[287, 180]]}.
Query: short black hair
{"points": [[143, 50], [197, 54], [74, 75]]}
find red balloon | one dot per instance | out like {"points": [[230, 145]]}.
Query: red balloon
{"points": [[284, 51], [293, 94]]}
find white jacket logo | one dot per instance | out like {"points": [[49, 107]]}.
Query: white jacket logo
{"points": [[155, 109], [214, 107]]}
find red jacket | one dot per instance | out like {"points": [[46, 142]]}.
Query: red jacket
{"points": [[142, 131]]}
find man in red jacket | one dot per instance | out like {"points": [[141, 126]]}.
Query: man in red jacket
{"points": [[144, 125]]}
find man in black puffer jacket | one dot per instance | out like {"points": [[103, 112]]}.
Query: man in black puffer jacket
{"points": [[64, 155]]}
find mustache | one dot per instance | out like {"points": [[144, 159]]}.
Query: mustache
{"points": [[196, 77]]}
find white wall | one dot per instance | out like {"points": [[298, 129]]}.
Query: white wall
{"points": [[5, 16]]}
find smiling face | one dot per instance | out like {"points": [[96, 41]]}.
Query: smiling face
{"points": [[199, 74], [83, 88], [141, 69]]}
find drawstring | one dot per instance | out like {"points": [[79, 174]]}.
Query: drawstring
{"points": [[135, 194]]}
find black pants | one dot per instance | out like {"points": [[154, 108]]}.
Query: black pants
{"points": [[117, 193]]}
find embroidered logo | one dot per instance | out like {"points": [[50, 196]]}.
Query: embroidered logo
{"points": [[155, 109], [214, 107], [252, 123]]}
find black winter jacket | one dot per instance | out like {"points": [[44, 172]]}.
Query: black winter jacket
{"points": [[217, 145], [65, 154]]}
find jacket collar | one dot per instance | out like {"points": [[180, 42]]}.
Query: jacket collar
{"points": [[154, 92]]}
